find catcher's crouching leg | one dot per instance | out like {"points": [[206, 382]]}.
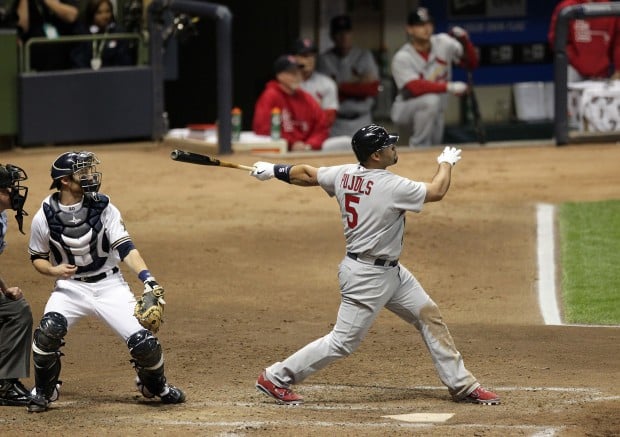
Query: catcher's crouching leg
{"points": [[48, 338], [148, 360]]}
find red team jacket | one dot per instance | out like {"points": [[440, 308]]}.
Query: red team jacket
{"points": [[302, 117], [593, 45]]}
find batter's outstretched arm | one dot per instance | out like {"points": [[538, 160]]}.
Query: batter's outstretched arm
{"points": [[303, 175], [299, 174], [438, 187]]}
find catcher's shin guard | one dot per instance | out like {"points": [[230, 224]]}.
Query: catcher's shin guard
{"points": [[148, 360], [48, 339]]}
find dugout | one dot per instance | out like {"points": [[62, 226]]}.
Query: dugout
{"points": [[113, 103]]}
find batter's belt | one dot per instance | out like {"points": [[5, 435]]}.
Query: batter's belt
{"points": [[371, 260], [97, 278]]}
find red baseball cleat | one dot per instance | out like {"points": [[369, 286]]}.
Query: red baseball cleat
{"points": [[482, 396], [282, 395]]}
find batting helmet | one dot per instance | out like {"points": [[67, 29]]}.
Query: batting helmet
{"points": [[71, 162], [10, 178], [369, 139]]}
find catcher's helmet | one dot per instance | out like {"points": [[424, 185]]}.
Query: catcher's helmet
{"points": [[10, 178], [70, 162], [369, 139]]}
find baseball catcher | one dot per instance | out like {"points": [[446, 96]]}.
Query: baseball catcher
{"points": [[79, 237]]}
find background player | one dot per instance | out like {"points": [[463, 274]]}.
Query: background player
{"points": [[592, 45], [422, 70], [373, 202], [78, 237], [320, 86], [355, 71], [15, 313]]}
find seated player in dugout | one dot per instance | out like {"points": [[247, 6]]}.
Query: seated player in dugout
{"points": [[422, 71], [355, 71], [302, 121], [322, 87]]}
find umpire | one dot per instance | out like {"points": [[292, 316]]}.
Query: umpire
{"points": [[15, 313]]}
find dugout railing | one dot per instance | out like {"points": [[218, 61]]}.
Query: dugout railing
{"points": [[561, 127], [84, 105]]}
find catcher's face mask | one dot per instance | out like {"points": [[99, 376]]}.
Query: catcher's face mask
{"points": [[89, 179], [82, 166]]}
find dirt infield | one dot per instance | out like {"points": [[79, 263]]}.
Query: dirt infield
{"points": [[250, 276]]}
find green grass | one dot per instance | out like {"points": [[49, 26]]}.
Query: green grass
{"points": [[590, 251]]}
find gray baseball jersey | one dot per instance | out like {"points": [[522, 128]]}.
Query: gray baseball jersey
{"points": [[323, 89], [408, 64], [372, 207], [353, 113], [424, 113]]}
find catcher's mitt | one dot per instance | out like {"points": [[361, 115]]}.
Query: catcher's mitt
{"points": [[149, 309]]}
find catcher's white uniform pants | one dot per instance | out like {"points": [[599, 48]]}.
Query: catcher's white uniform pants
{"points": [[109, 299], [365, 290]]}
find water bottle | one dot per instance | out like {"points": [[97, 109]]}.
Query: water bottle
{"points": [[236, 123], [275, 124]]}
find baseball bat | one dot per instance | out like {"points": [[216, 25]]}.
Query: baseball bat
{"points": [[197, 158], [475, 109]]}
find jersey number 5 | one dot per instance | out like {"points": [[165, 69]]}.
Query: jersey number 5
{"points": [[350, 200]]}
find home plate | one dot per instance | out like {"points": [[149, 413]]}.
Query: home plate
{"points": [[421, 417]]}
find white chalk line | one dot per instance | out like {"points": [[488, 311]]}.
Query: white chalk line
{"points": [[547, 296], [341, 424], [592, 394], [545, 251]]}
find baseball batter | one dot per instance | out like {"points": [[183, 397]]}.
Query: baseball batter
{"points": [[373, 202], [422, 71], [78, 237]]}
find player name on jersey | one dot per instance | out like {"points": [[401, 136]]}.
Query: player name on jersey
{"points": [[356, 183]]}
